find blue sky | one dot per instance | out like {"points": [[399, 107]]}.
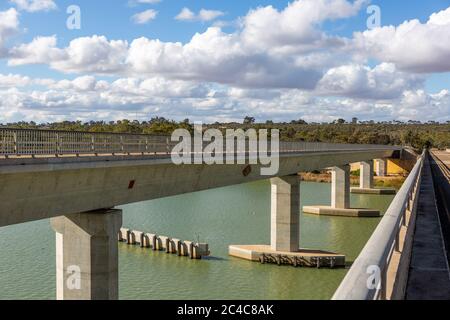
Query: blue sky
{"points": [[112, 18], [215, 93]]}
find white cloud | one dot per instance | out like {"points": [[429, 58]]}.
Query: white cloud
{"points": [[296, 27], [80, 84], [93, 54], [86, 98], [40, 50], [208, 15], [380, 82], [186, 15], [204, 15], [34, 5], [87, 54], [9, 24], [289, 54], [13, 80], [413, 46], [145, 16]]}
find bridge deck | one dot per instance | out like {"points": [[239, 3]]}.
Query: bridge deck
{"points": [[429, 276], [443, 156]]}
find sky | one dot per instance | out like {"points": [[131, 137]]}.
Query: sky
{"points": [[221, 60]]}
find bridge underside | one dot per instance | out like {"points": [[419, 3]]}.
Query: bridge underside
{"points": [[58, 187]]}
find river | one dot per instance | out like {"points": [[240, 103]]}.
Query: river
{"points": [[232, 215]]}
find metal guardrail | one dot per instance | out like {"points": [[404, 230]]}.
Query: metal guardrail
{"points": [[32, 142], [381, 246]]}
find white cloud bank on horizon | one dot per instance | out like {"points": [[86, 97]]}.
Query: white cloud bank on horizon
{"points": [[86, 98]]}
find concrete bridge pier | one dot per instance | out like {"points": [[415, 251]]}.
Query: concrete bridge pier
{"points": [[366, 185], [284, 246], [366, 174], [87, 255], [340, 197], [285, 213], [381, 167], [340, 187]]}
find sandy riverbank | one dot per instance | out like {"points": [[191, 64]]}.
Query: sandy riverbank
{"points": [[383, 182]]}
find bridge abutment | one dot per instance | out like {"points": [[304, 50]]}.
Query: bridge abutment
{"points": [[87, 255]]}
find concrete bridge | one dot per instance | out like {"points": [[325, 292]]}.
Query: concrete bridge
{"points": [[77, 179]]}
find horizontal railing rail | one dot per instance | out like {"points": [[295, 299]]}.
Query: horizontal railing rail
{"points": [[32, 142], [374, 260]]}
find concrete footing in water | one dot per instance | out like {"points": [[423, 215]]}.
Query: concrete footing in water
{"points": [[162, 243], [300, 258], [373, 191], [330, 211]]}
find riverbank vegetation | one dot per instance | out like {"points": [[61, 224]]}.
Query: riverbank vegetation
{"points": [[413, 133], [383, 182]]}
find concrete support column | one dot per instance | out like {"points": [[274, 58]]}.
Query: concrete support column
{"points": [[381, 167], [285, 213], [87, 255], [366, 175], [340, 187]]}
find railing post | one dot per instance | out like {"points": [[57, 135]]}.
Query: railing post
{"points": [[15, 143], [408, 201], [167, 145], [383, 290], [121, 144], [57, 145], [397, 241], [93, 144], [404, 218]]}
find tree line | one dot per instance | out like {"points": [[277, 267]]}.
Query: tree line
{"points": [[411, 133]]}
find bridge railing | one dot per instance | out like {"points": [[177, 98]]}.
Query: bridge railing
{"points": [[32, 142], [367, 278]]}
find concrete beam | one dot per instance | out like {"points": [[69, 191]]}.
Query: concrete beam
{"points": [[340, 187], [285, 213], [366, 175], [87, 255]]}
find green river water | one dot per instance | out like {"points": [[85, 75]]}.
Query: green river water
{"points": [[232, 215]]}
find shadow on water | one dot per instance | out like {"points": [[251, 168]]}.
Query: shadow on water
{"points": [[210, 258]]}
